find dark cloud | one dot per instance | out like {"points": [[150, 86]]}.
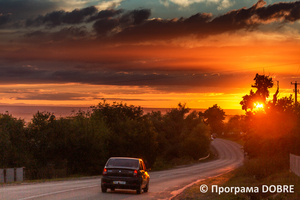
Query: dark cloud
{"points": [[105, 14], [135, 26], [103, 26], [158, 29], [136, 16], [21, 74], [57, 18], [66, 33], [131, 26], [23, 9], [71, 32], [54, 96], [77, 16], [139, 16], [106, 20], [37, 34], [255, 16], [203, 24], [4, 18], [16, 72], [288, 11], [32, 75], [38, 95]]}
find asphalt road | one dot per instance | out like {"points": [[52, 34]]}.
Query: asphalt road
{"points": [[163, 184]]}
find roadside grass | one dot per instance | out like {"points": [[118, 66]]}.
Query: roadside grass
{"points": [[161, 164], [240, 178], [73, 177]]}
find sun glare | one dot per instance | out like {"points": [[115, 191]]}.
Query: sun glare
{"points": [[258, 106]]}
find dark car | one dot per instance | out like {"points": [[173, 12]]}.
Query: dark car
{"points": [[125, 173]]}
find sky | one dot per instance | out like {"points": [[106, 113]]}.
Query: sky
{"points": [[153, 54]]}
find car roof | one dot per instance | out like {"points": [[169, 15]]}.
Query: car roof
{"points": [[129, 158]]}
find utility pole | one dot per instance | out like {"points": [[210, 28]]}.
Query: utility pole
{"points": [[296, 91]]}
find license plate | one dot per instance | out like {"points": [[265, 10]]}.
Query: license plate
{"points": [[119, 182]]}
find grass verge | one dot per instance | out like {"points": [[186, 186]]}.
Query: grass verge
{"points": [[161, 164], [240, 178]]}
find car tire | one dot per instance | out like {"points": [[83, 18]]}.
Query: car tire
{"points": [[146, 188], [104, 189], [139, 190]]}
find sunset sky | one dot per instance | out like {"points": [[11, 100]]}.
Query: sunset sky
{"points": [[153, 54]]}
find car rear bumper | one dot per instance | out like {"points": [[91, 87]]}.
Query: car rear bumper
{"points": [[120, 183]]}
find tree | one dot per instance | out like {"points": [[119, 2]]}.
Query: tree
{"points": [[180, 133], [234, 125], [196, 144], [271, 134], [13, 144], [214, 117], [83, 143], [262, 85], [130, 132], [174, 130], [40, 130]]}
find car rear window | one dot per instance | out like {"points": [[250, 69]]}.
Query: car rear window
{"points": [[123, 163]]}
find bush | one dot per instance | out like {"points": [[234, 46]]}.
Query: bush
{"points": [[264, 166], [196, 145]]}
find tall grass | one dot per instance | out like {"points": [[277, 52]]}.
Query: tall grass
{"points": [[264, 166]]}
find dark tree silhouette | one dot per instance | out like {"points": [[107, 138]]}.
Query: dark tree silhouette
{"points": [[214, 116], [262, 84]]}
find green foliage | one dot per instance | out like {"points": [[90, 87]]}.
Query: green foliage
{"points": [[234, 126], [13, 150], [196, 144], [130, 132], [180, 134], [75, 143], [264, 166], [214, 116], [81, 144]]}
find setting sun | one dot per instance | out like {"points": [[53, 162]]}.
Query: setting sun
{"points": [[258, 106]]}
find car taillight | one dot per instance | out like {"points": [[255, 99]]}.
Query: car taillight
{"points": [[104, 171], [135, 173]]}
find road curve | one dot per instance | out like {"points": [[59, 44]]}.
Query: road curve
{"points": [[163, 184]]}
